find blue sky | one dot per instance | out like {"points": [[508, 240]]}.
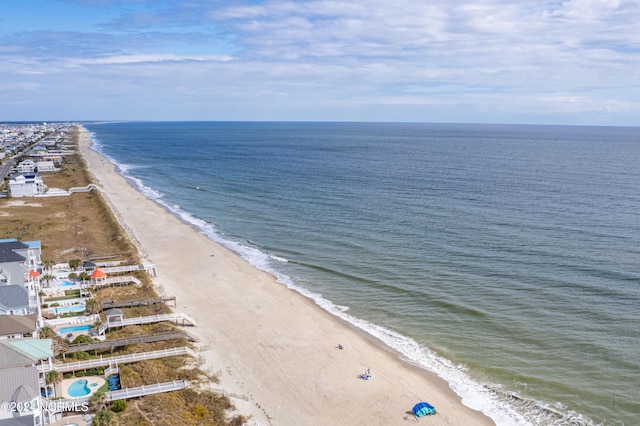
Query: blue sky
{"points": [[496, 61]]}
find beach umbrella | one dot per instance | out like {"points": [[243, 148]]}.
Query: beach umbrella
{"points": [[423, 408]]}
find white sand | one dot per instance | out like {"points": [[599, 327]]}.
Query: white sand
{"points": [[269, 343]]}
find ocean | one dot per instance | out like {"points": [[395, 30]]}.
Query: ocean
{"points": [[504, 258]]}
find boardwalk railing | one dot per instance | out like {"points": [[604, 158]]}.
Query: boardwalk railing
{"points": [[87, 188], [120, 359], [176, 317], [149, 268], [124, 279], [121, 269], [146, 390], [111, 344], [109, 371], [108, 304]]}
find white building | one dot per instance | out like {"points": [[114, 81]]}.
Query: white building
{"points": [[45, 166], [26, 166], [27, 185]]}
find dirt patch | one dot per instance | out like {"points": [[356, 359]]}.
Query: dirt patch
{"points": [[76, 226], [20, 203]]}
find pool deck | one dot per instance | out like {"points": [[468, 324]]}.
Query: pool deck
{"points": [[69, 420], [64, 385], [73, 334]]}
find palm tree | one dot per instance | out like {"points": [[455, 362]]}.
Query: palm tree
{"points": [[47, 278], [47, 332], [75, 263], [53, 377], [92, 306], [48, 264], [98, 401], [84, 276]]}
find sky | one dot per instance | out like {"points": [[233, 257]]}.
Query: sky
{"points": [[456, 61]]}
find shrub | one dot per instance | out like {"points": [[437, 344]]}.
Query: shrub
{"points": [[118, 406], [81, 356]]}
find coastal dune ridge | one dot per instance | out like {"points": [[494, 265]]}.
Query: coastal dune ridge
{"points": [[267, 342]]}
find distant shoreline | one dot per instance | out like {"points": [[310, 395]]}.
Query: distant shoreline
{"points": [[270, 343]]}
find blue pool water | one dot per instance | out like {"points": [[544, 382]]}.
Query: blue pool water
{"points": [[67, 283], [74, 329], [64, 309], [79, 388]]}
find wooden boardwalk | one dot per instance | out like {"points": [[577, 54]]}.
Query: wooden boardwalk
{"points": [[115, 343], [178, 318], [109, 304], [120, 359]]}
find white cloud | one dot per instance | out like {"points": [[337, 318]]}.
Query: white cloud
{"points": [[510, 55], [143, 58]]}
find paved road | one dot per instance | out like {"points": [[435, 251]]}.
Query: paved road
{"points": [[5, 168]]}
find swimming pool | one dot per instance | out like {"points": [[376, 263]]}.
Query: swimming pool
{"points": [[79, 388], [74, 329], [67, 283], [64, 309]]}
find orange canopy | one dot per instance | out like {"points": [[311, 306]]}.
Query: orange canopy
{"points": [[98, 273]]}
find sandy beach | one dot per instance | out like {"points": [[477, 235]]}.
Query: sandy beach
{"points": [[267, 342]]}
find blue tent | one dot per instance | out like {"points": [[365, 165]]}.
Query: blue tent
{"points": [[423, 408]]}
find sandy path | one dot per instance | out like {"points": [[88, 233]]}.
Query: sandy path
{"points": [[270, 343]]}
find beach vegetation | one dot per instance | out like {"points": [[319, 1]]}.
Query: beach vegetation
{"points": [[53, 377], [118, 406], [57, 299], [83, 338], [47, 332], [104, 418], [92, 306]]}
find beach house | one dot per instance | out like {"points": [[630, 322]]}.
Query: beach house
{"points": [[18, 326], [27, 185], [14, 300], [22, 382], [19, 276], [26, 166]]}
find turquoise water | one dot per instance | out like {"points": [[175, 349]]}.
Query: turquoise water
{"points": [[504, 258], [72, 308], [79, 388], [74, 329]]}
